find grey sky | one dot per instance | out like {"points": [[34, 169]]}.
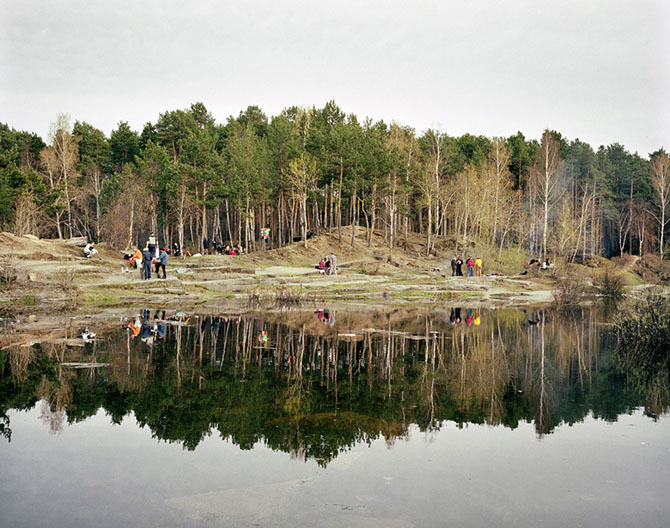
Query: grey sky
{"points": [[597, 69]]}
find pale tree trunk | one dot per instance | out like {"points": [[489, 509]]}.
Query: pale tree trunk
{"points": [[467, 209], [181, 220], [132, 224], [430, 229], [339, 202], [203, 232], [353, 217], [392, 217], [630, 217], [303, 206], [660, 181], [373, 208]]}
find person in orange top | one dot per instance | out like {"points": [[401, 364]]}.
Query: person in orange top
{"points": [[134, 327]]}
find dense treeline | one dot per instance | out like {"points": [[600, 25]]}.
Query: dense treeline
{"points": [[306, 171]]}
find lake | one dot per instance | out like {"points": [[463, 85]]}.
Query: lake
{"points": [[457, 417]]}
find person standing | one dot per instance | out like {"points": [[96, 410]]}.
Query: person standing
{"points": [[470, 265], [152, 244], [453, 267], [147, 256], [459, 266], [162, 263], [478, 267], [333, 264]]}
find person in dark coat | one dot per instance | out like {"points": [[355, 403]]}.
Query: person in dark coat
{"points": [[459, 266], [146, 263], [162, 263]]}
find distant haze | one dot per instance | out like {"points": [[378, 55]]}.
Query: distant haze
{"points": [[598, 70]]}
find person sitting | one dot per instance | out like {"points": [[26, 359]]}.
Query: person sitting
{"points": [[321, 265], [89, 250], [176, 250], [134, 259], [327, 270], [232, 252]]}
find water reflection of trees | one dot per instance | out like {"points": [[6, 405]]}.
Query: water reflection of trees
{"points": [[314, 390]]}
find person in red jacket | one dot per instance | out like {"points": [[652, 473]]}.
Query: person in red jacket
{"points": [[470, 265]]}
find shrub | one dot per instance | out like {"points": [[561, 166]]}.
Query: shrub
{"points": [[8, 276], [609, 285], [643, 349], [289, 296], [569, 290], [643, 331]]}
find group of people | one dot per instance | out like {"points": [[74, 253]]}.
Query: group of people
{"points": [[327, 265], [149, 330], [471, 317], [326, 316], [89, 250], [151, 255], [538, 263], [220, 249], [473, 266]]}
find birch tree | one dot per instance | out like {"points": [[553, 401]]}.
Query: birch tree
{"points": [[545, 180], [660, 182], [302, 179]]}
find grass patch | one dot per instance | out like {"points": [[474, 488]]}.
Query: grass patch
{"points": [[28, 300]]}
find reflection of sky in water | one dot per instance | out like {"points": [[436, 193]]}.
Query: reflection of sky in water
{"points": [[92, 473]]}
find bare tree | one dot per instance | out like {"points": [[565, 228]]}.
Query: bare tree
{"points": [[660, 182], [499, 163], [66, 153], [545, 178], [302, 178]]}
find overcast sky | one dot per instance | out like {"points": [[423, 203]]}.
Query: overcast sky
{"points": [[598, 70]]}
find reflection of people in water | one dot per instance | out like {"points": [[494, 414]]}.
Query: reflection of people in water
{"points": [[160, 324], [134, 326], [326, 316], [146, 331], [534, 318], [478, 316], [263, 337], [455, 316], [469, 318]]}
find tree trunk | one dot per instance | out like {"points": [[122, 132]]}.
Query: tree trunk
{"points": [[353, 217], [373, 208], [303, 203], [339, 202]]}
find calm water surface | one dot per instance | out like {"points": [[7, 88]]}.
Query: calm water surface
{"points": [[453, 418]]}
